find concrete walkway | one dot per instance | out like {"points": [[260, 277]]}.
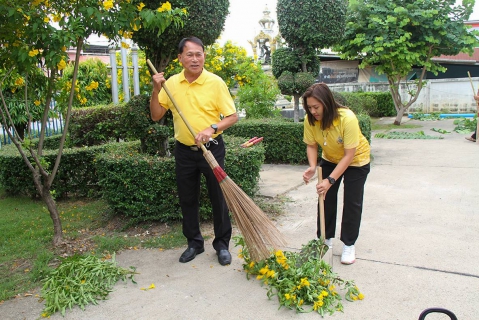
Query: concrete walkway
{"points": [[416, 250]]}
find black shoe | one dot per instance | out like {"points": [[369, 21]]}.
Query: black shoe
{"points": [[224, 257], [190, 254]]}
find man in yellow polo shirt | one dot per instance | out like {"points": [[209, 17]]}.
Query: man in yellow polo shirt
{"points": [[205, 101]]}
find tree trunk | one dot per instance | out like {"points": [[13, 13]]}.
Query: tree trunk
{"points": [[53, 210], [397, 121], [296, 108]]}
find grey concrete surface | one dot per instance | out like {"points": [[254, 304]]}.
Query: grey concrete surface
{"points": [[417, 246]]}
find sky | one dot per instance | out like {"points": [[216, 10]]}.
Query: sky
{"points": [[242, 22]]}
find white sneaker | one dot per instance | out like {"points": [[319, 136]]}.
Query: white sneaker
{"points": [[329, 243], [349, 255]]}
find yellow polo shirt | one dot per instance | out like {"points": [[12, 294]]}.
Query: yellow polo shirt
{"points": [[343, 134], [200, 102]]}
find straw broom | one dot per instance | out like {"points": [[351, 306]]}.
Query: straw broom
{"points": [[260, 234], [474, 93]]}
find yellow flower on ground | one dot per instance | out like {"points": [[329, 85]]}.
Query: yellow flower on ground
{"points": [[61, 65], [360, 296], [287, 296], [152, 286], [108, 4], [33, 52]]}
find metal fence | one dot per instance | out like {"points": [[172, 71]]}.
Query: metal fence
{"points": [[52, 127]]}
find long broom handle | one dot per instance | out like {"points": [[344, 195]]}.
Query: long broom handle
{"points": [[322, 221], [168, 93], [477, 102]]}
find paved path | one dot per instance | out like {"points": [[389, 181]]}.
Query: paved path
{"points": [[417, 247]]}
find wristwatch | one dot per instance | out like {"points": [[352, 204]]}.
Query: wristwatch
{"points": [[215, 127], [331, 180]]}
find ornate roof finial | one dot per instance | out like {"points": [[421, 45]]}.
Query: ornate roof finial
{"points": [[266, 22]]}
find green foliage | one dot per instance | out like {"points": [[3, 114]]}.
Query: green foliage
{"points": [[13, 89], [258, 97], [96, 125], [76, 177], [433, 116], [395, 36], [358, 102], [384, 104], [81, 280], [136, 119], [301, 281], [405, 135], [91, 88], [143, 187], [287, 59], [295, 84], [229, 62], [465, 125], [283, 139], [24, 245], [205, 20], [315, 24]]}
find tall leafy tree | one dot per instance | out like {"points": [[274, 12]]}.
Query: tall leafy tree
{"points": [[395, 36], [29, 40], [205, 20], [307, 27]]}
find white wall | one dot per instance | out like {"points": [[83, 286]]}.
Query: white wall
{"points": [[438, 95]]}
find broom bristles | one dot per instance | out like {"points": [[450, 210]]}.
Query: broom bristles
{"points": [[260, 234]]}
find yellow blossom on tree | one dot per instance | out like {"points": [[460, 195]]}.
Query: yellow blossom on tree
{"points": [[165, 7], [108, 4], [46, 19], [19, 82], [140, 6], [33, 52], [61, 65], [125, 45], [37, 102]]}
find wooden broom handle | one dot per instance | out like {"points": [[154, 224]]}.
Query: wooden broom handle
{"points": [[168, 93], [322, 221]]}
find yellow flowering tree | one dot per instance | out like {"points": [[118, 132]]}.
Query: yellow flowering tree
{"points": [[35, 34], [229, 61]]}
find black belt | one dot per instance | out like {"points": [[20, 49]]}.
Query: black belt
{"points": [[208, 145]]}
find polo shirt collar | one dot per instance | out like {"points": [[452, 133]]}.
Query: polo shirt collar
{"points": [[201, 79]]}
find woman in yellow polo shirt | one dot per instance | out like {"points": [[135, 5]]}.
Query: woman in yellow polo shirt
{"points": [[345, 154]]}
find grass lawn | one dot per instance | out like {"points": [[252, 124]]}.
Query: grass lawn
{"points": [[26, 233]]}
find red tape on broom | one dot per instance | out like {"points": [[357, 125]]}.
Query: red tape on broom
{"points": [[220, 174]]}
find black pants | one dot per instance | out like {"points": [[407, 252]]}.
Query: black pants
{"points": [[189, 167], [354, 180]]}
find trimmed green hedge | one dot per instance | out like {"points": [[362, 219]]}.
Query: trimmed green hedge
{"points": [[143, 187], [283, 139], [76, 176]]}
